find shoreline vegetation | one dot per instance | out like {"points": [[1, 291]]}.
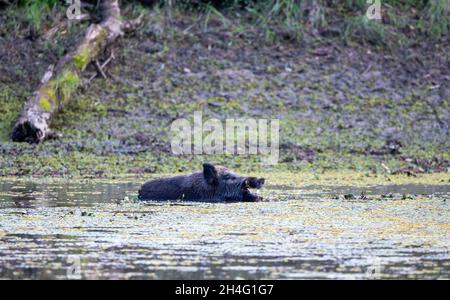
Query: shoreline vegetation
{"points": [[274, 178]]}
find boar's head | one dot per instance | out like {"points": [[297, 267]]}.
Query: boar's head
{"points": [[228, 186]]}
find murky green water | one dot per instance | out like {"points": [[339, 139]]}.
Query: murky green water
{"points": [[96, 229]]}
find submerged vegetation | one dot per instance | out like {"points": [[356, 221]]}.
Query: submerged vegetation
{"points": [[305, 229]]}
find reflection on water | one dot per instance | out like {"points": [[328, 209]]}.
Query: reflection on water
{"points": [[61, 194], [95, 229]]}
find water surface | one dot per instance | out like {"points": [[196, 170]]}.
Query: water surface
{"points": [[97, 229]]}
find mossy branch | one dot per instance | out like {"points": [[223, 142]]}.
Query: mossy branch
{"points": [[61, 81]]}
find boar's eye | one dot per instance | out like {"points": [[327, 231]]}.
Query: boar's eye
{"points": [[228, 176]]}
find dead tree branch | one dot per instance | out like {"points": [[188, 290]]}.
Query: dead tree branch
{"points": [[59, 83]]}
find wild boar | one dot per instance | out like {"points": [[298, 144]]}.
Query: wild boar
{"points": [[213, 184]]}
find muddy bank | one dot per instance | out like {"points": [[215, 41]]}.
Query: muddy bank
{"points": [[351, 107]]}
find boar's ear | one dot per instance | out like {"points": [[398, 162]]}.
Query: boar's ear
{"points": [[210, 174]]}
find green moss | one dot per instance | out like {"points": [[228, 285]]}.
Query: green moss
{"points": [[49, 93], [81, 59], [69, 79], [65, 85], [45, 104]]}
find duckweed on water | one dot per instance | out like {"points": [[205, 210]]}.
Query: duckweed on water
{"points": [[300, 231]]}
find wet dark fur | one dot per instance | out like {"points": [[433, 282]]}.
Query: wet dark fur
{"points": [[214, 183]]}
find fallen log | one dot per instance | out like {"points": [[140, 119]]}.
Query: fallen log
{"points": [[59, 83]]}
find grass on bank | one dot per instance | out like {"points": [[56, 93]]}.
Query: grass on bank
{"points": [[277, 20]]}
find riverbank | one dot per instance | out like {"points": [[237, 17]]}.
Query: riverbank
{"points": [[342, 106]]}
